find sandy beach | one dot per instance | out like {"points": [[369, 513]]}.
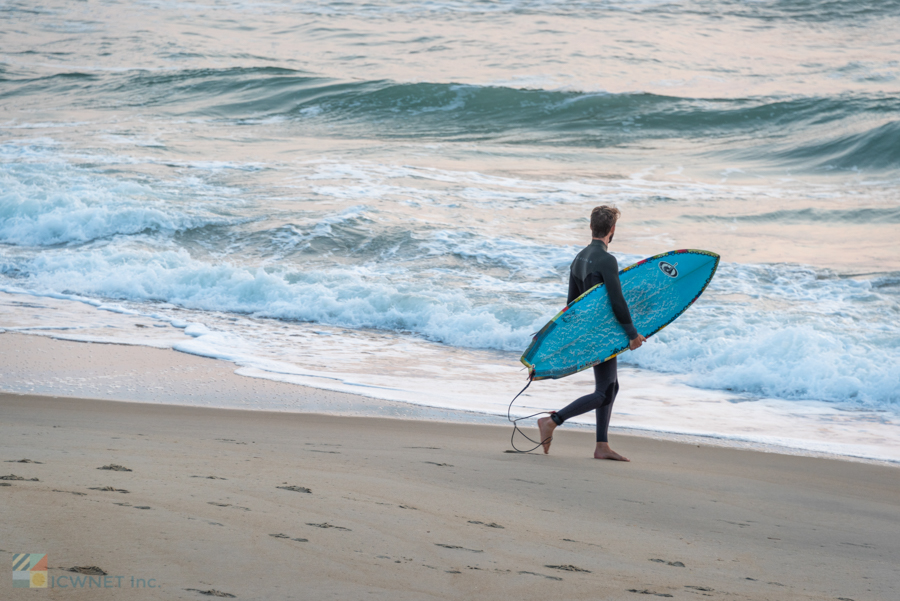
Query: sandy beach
{"points": [[267, 505]]}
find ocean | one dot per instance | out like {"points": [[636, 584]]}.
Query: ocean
{"points": [[384, 197]]}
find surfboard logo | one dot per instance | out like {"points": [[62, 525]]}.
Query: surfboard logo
{"points": [[569, 316], [668, 269]]}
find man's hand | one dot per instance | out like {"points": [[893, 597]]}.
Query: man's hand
{"points": [[636, 342]]}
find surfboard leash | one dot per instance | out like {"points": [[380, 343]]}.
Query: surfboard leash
{"points": [[515, 422]]}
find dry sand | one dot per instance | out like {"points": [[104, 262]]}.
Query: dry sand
{"points": [[403, 509]]}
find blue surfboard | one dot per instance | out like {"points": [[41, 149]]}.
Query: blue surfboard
{"points": [[586, 332]]}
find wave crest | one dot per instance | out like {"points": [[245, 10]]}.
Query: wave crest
{"points": [[53, 204]]}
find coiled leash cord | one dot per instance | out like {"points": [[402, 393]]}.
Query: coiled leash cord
{"points": [[515, 422]]}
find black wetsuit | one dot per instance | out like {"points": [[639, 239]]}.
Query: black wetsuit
{"points": [[593, 266]]}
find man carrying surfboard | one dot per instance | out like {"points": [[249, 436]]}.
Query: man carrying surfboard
{"points": [[592, 266]]}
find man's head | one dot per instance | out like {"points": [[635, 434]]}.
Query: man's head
{"points": [[603, 220]]}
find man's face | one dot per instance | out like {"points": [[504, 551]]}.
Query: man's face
{"points": [[612, 233]]}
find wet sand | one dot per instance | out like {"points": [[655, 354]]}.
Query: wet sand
{"points": [[268, 505]]}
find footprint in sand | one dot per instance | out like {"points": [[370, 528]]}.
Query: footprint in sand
{"points": [[738, 524], [88, 570], [568, 568], [458, 547], [109, 489], [863, 545], [285, 536], [24, 461], [649, 592], [210, 477], [80, 494], [211, 593], [228, 505], [15, 477], [676, 564], [569, 540], [488, 524], [541, 575], [327, 525], [115, 468], [295, 489]]}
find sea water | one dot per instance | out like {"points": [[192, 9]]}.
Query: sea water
{"points": [[384, 197]]}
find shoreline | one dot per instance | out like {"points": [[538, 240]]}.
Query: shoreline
{"points": [[400, 509], [104, 370]]}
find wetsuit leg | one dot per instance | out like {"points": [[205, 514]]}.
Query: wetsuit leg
{"points": [[605, 411], [606, 386]]}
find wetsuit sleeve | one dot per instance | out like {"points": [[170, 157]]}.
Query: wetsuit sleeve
{"points": [[610, 272], [573, 289]]}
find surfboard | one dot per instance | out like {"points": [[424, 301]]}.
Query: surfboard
{"points": [[586, 332]]}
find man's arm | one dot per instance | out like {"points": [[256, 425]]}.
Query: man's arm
{"points": [[573, 289], [610, 272]]}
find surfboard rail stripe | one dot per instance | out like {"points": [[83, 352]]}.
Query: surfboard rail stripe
{"points": [[528, 355]]}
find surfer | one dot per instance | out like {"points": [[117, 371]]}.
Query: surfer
{"points": [[592, 266]]}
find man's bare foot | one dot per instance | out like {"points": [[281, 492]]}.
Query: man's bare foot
{"points": [[604, 452], [546, 427]]}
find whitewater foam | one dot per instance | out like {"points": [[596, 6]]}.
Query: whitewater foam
{"points": [[790, 332], [376, 365]]}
